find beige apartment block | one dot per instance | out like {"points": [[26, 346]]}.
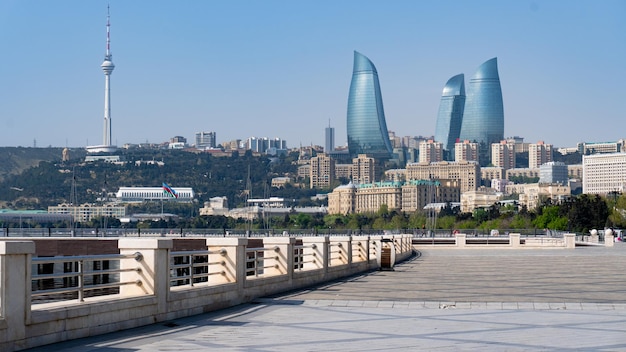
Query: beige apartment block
{"points": [[503, 154], [522, 172], [491, 173], [280, 182], [520, 145], [466, 151], [363, 169], [530, 194], [538, 154], [430, 151], [304, 171], [416, 194], [575, 171], [322, 173], [343, 171], [480, 198], [467, 172], [396, 175]]}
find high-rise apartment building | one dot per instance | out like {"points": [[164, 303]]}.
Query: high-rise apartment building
{"points": [[363, 169], [430, 151], [329, 144], [322, 171], [604, 173], [366, 125], [206, 140], [538, 154], [466, 151], [503, 155], [450, 115], [467, 172], [483, 116], [553, 172]]}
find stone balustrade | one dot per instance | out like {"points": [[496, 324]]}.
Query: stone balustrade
{"points": [[513, 240], [281, 264]]}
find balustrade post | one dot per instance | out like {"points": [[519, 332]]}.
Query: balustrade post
{"points": [[155, 268], [514, 240], [15, 287], [376, 246], [570, 240], [609, 239], [315, 252], [340, 250], [280, 261], [461, 240], [233, 257], [362, 245]]}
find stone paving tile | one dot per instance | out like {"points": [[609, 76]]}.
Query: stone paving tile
{"points": [[479, 305], [542, 305], [431, 305], [401, 305], [370, 304], [339, 303], [525, 305], [355, 304], [605, 306], [556, 305], [494, 305], [510, 305], [573, 306], [416, 305], [385, 304], [463, 305]]}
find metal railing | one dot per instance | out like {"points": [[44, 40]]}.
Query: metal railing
{"points": [[192, 267], [255, 260], [93, 275], [300, 258]]}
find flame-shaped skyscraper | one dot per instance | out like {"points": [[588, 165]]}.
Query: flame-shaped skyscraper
{"points": [[367, 128]]}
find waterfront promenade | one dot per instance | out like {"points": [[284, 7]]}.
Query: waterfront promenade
{"points": [[441, 300]]}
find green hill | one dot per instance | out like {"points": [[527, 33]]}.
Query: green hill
{"points": [[15, 160]]}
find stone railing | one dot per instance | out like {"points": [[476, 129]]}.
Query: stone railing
{"points": [[513, 240], [168, 285]]}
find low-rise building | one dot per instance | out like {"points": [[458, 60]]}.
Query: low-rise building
{"points": [[86, 212], [531, 194], [142, 194], [480, 198]]}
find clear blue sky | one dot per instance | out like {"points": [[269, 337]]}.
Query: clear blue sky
{"points": [[283, 68]]}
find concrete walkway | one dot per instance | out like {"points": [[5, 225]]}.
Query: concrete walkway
{"points": [[442, 300]]}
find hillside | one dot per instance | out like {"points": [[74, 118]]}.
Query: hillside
{"points": [[15, 160]]}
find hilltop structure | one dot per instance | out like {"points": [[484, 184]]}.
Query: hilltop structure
{"points": [[107, 68]]}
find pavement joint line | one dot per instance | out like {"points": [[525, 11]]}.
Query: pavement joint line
{"points": [[539, 306]]}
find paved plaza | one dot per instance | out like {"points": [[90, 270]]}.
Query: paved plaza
{"points": [[441, 300]]}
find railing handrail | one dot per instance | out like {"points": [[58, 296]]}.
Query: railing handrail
{"points": [[74, 258]]}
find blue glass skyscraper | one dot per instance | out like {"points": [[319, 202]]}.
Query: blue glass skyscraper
{"points": [[483, 119], [450, 115], [367, 129]]}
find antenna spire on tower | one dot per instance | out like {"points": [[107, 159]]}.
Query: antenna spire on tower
{"points": [[108, 52]]}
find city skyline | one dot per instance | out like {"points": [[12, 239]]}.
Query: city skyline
{"points": [[283, 69]]}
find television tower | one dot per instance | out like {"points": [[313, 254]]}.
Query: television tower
{"points": [[107, 67]]}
